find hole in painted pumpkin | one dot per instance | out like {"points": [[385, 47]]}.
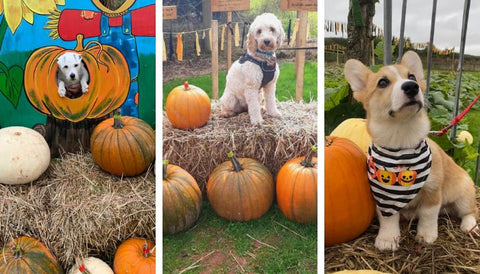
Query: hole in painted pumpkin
{"points": [[70, 79]]}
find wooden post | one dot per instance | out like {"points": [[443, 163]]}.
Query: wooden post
{"points": [[214, 59], [300, 55], [229, 41]]}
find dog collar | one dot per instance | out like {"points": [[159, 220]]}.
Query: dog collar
{"points": [[397, 175], [267, 53]]}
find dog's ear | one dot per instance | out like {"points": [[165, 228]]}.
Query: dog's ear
{"points": [[356, 74], [78, 57], [413, 62], [281, 36], [251, 43], [61, 60]]}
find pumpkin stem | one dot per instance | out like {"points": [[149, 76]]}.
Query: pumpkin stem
{"points": [[17, 252], [307, 162], [236, 164], [117, 120], [79, 46], [186, 86], [328, 141], [83, 269], [165, 164]]}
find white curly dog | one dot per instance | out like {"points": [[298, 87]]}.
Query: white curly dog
{"points": [[255, 71]]}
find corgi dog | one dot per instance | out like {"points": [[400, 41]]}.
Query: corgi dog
{"points": [[409, 174]]}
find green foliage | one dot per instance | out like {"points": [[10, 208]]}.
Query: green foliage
{"points": [[290, 252], [11, 83], [286, 83]]}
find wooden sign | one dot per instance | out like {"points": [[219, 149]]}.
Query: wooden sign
{"points": [[297, 5], [230, 5], [169, 12]]}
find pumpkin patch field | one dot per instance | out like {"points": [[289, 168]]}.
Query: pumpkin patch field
{"points": [[454, 251], [242, 225]]}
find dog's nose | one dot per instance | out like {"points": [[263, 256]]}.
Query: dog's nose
{"points": [[410, 88], [72, 75], [266, 42]]}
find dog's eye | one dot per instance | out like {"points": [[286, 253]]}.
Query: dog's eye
{"points": [[383, 83], [412, 77], [259, 31], [76, 65], [272, 29], [66, 67]]}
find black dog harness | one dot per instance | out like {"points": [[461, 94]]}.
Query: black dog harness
{"points": [[267, 70]]}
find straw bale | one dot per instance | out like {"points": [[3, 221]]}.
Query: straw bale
{"points": [[77, 210], [200, 150], [453, 252]]}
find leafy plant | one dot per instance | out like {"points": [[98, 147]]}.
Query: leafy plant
{"points": [[11, 82]]}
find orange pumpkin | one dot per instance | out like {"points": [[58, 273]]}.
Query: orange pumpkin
{"points": [[27, 255], [240, 189], [297, 189], [123, 146], [407, 177], [182, 199], [188, 107], [135, 255], [349, 204], [386, 177], [108, 86]]}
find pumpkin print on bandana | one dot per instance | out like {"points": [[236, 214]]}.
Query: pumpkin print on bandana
{"points": [[397, 175]]}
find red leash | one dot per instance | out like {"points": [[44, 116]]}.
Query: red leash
{"points": [[456, 119]]}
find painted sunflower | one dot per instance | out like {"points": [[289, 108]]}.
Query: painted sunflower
{"points": [[15, 10]]}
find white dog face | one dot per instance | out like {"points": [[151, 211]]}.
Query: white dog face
{"points": [[70, 64], [265, 33]]}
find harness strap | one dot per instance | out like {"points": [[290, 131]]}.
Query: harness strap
{"points": [[267, 70]]}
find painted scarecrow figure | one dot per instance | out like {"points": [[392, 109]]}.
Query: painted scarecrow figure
{"points": [[117, 26]]}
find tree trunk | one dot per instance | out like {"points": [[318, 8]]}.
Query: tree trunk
{"points": [[360, 30]]}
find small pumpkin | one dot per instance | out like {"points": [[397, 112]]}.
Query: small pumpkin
{"points": [[182, 199], [123, 145], [24, 155], [90, 265], [464, 137], [349, 204], [386, 177], [135, 255], [27, 255], [108, 86], [407, 177], [297, 188], [355, 130], [240, 189], [188, 107]]}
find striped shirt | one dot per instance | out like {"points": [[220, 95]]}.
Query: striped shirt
{"points": [[397, 175]]}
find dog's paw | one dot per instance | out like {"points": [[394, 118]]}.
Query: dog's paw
{"points": [[427, 237], [390, 243], [257, 121], [469, 224], [85, 89], [62, 92], [274, 113]]}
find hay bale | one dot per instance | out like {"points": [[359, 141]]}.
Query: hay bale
{"points": [[77, 210], [453, 252], [199, 151]]}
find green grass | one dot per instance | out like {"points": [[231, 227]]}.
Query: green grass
{"points": [[229, 242], [285, 84]]}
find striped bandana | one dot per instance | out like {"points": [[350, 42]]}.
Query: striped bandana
{"points": [[397, 175]]}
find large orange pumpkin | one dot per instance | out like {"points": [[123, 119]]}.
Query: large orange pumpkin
{"points": [[182, 199], [108, 86], [135, 255], [188, 107], [29, 256], [349, 204], [297, 189], [123, 145], [240, 189]]}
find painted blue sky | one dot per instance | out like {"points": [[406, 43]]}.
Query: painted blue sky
{"points": [[29, 37]]}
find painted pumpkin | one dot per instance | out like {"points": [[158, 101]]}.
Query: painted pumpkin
{"points": [[182, 199], [107, 90], [123, 146], [386, 177], [349, 204], [135, 255], [297, 189], [188, 107], [407, 177], [27, 255], [90, 265], [25, 155], [355, 130], [241, 189]]}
